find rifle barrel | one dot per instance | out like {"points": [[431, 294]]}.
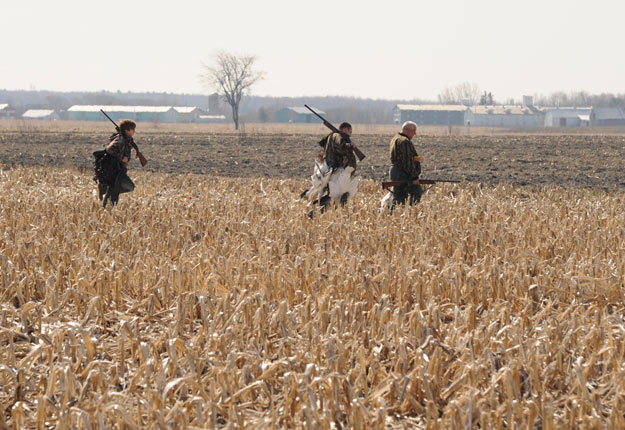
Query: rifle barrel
{"points": [[109, 118], [319, 116], [388, 184]]}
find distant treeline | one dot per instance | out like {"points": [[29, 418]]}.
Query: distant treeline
{"points": [[580, 99], [253, 108], [263, 109]]}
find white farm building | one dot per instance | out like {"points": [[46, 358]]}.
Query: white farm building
{"points": [[430, 114], [188, 113], [6, 111], [505, 116], [607, 116], [136, 113], [567, 117], [41, 114], [212, 119]]}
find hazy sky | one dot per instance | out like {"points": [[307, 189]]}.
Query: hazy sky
{"points": [[382, 49]]}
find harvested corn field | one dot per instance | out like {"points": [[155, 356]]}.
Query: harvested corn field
{"points": [[206, 302], [528, 159]]}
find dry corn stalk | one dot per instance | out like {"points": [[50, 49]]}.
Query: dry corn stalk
{"points": [[208, 302]]}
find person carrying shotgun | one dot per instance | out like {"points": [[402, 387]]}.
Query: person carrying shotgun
{"points": [[119, 147], [406, 166], [334, 178], [111, 165], [334, 173], [338, 151]]}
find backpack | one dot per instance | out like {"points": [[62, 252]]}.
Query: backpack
{"points": [[106, 168]]}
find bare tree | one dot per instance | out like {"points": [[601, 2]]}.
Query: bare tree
{"points": [[468, 91], [448, 96], [464, 92], [558, 99], [232, 75]]}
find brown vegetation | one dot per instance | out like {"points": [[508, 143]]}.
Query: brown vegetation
{"points": [[210, 302]]}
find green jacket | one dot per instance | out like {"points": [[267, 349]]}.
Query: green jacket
{"points": [[404, 157], [338, 153]]}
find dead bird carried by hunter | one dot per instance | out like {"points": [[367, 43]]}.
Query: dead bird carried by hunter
{"points": [[334, 178]]}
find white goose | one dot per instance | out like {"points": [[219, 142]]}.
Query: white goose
{"points": [[339, 182]]}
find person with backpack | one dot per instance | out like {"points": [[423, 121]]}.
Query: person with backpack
{"points": [[111, 165]]}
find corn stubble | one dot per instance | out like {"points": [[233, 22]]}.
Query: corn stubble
{"points": [[203, 302]]}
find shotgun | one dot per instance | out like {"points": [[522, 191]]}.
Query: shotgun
{"points": [[346, 138], [388, 184], [140, 156]]}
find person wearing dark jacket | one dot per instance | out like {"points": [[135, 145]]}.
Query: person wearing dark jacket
{"points": [[118, 155], [406, 165], [337, 150]]}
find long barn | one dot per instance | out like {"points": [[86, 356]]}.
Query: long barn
{"points": [[41, 114], [298, 114], [6, 111], [567, 117], [135, 113], [505, 116], [430, 114]]}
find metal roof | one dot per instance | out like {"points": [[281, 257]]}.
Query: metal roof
{"points": [[608, 113], [302, 110], [37, 113], [570, 112], [505, 110], [453, 108], [185, 109], [107, 109]]}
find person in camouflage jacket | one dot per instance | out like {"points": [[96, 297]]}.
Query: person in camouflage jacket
{"points": [[406, 165], [337, 151], [119, 154]]}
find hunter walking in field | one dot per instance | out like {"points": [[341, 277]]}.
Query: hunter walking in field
{"points": [[335, 176], [111, 165], [337, 150], [406, 165]]}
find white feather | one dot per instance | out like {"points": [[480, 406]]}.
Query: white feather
{"points": [[387, 201], [320, 178], [339, 182], [343, 181]]}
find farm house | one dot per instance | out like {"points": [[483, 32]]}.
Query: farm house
{"points": [[187, 114], [567, 117], [607, 116], [6, 111], [43, 114], [298, 114], [505, 116], [430, 114], [212, 119], [136, 113]]}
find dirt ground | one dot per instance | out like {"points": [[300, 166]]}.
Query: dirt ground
{"points": [[562, 159]]}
